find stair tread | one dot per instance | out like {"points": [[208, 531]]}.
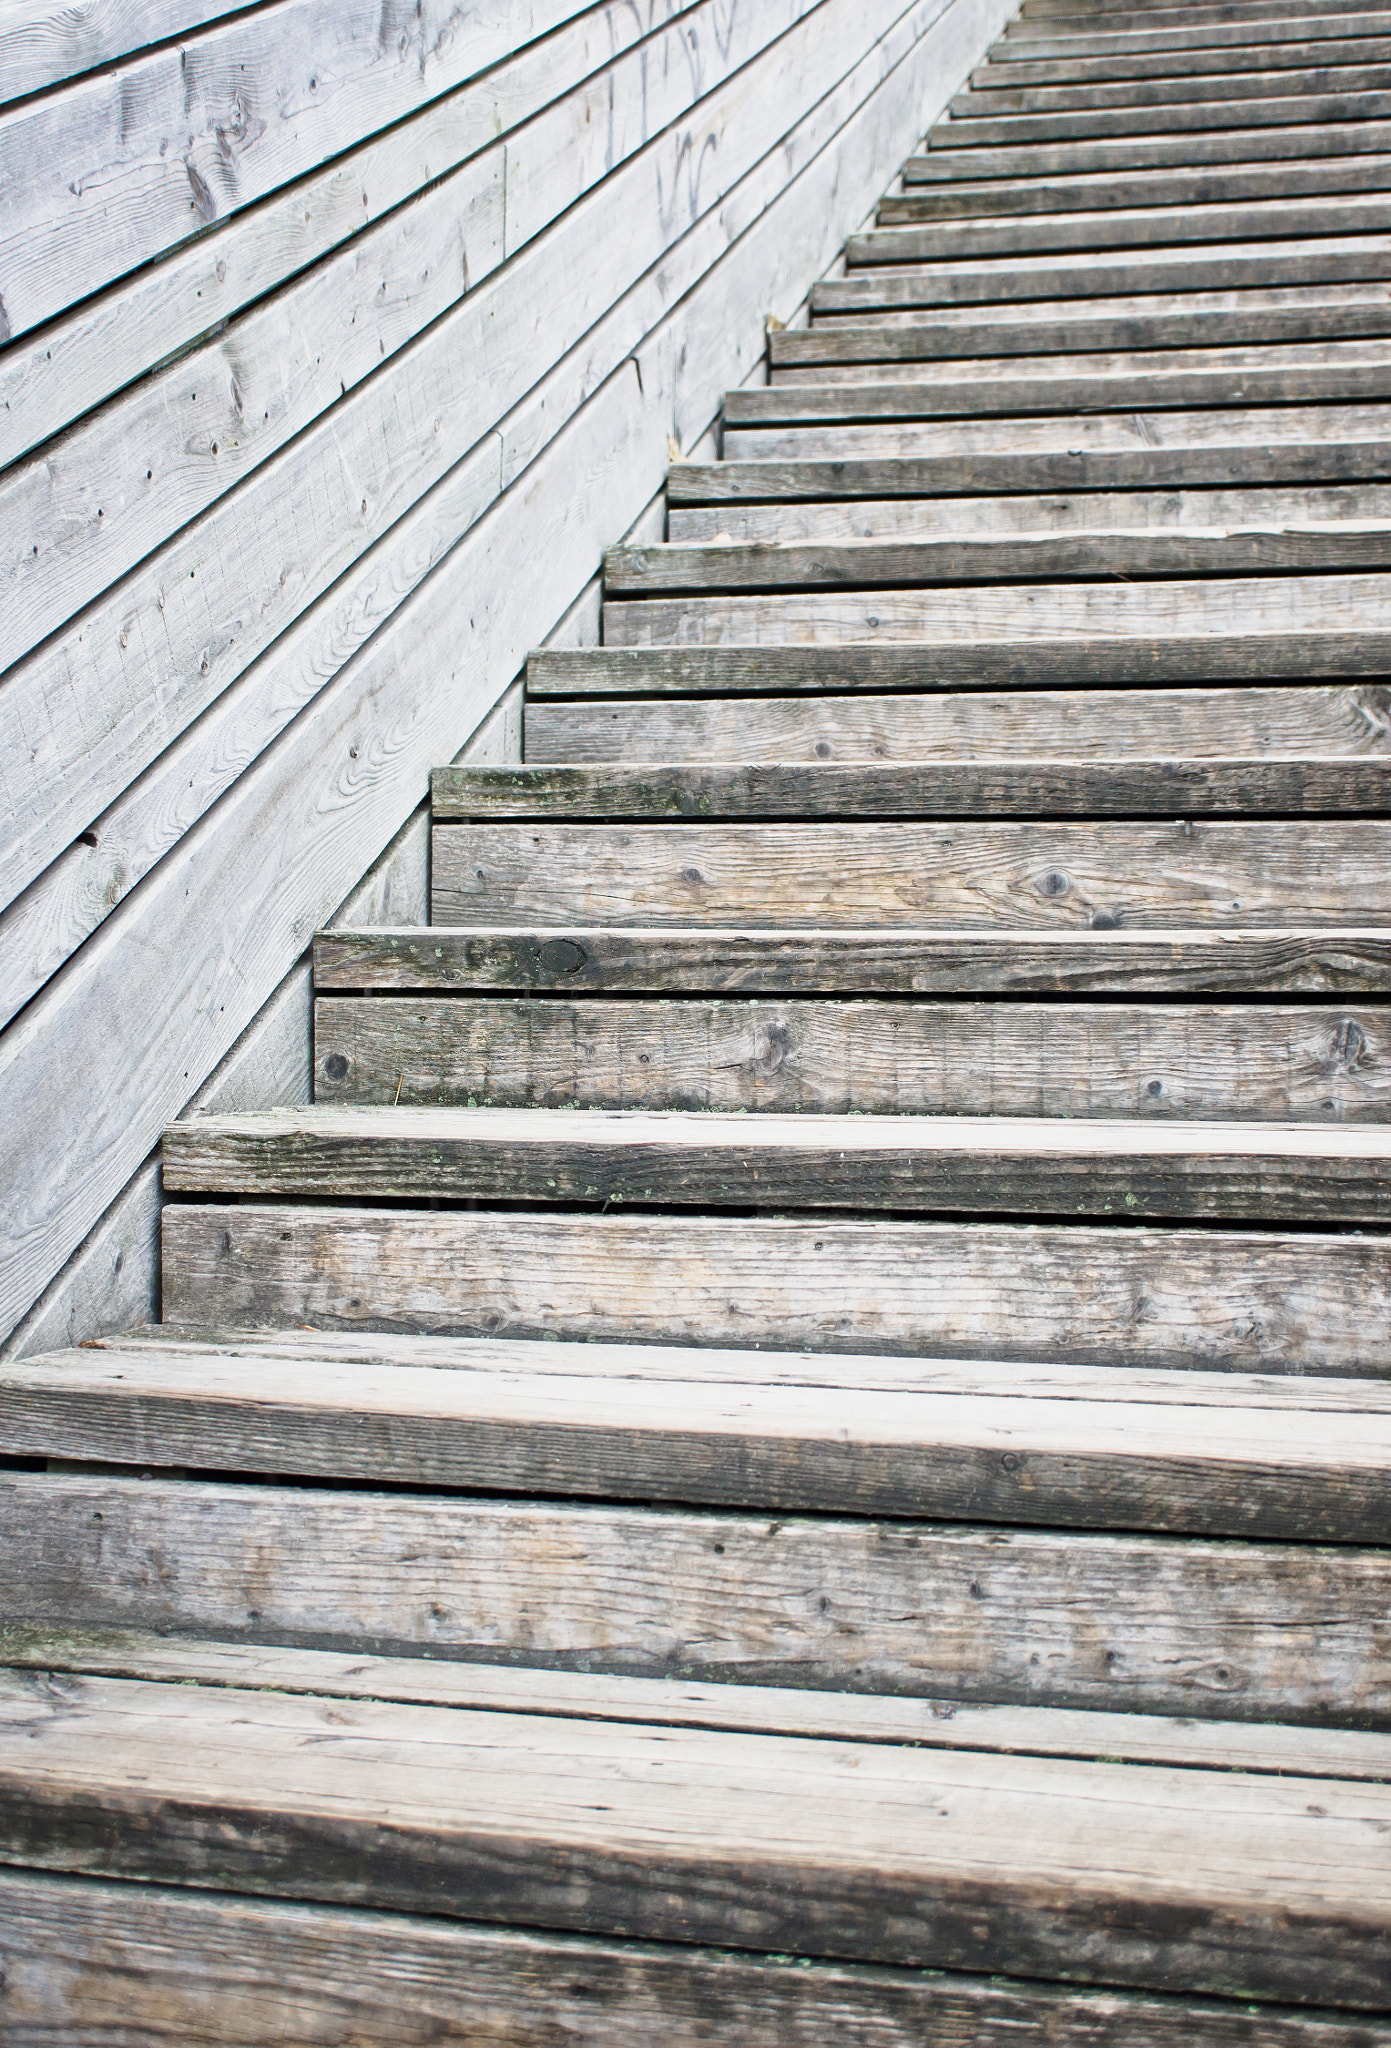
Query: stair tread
{"points": [[1272, 1747], [868, 1850]]}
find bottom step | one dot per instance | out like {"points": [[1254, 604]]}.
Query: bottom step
{"points": [[1249, 1884]]}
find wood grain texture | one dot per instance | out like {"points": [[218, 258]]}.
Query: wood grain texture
{"points": [[1215, 1171], [982, 787], [1229, 1301], [1188, 91], [1327, 719], [1196, 115], [986, 199], [973, 1059], [1212, 1630], [892, 519], [1111, 1462], [1118, 227], [668, 959], [1007, 66], [966, 877], [1336, 138], [991, 461], [197, 1971]]}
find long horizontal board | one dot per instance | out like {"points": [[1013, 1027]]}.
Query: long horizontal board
{"points": [[1107, 1463], [1063, 327], [878, 1058], [997, 518], [1009, 130], [1077, 724], [1055, 388], [1008, 786], [1008, 66], [1300, 141], [862, 1851], [1214, 1630], [981, 612], [1187, 91], [986, 198], [183, 1965], [1120, 227], [666, 960], [968, 1165], [1062, 365], [761, 671], [1026, 40], [994, 465], [1000, 280], [737, 565]]}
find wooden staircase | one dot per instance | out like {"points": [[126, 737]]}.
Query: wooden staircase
{"points": [[798, 1447]]}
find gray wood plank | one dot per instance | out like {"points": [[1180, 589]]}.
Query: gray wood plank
{"points": [[881, 1852], [1105, 1463], [1339, 1753], [1092, 274], [1118, 227], [1178, 511], [1188, 90], [1025, 41], [1059, 386], [879, 1058], [994, 465], [925, 1165], [669, 959], [183, 1967], [1018, 159], [657, 568], [1031, 328], [1010, 785], [1009, 66], [1215, 185], [1209, 1629], [1170, 658], [1197, 116]]}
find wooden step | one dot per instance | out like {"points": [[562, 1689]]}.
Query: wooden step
{"points": [[1334, 259], [1016, 158], [1130, 724], [1207, 1454], [1226, 1300], [1249, 316], [1066, 457], [1187, 90], [1307, 1173], [1032, 42], [1313, 1064], [1199, 116], [656, 567], [1259, 875], [1283, 217], [667, 959], [989, 612], [1003, 787], [1221, 185], [1009, 66], [1208, 1628], [414, 1980], [1170, 512], [1186, 658], [869, 1851], [861, 393]]}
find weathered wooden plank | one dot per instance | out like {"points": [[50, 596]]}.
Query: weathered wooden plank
{"points": [[1197, 116], [728, 564], [1221, 1300], [183, 1968], [669, 959], [1007, 65], [1118, 227], [1030, 328], [993, 465], [1098, 274], [1055, 386], [985, 198], [40, 47], [1047, 19], [974, 1059], [1010, 785], [1216, 1630], [1187, 90], [1340, 1753], [1025, 41], [1138, 152], [1104, 1463], [916, 518], [1042, 611], [928, 1165], [863, 1850], [1060, 366], [1178, 658]]}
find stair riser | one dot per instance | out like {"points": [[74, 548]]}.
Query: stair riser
{"points": [[1237, 1302], [956, 1058], [1141, 1623]]}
